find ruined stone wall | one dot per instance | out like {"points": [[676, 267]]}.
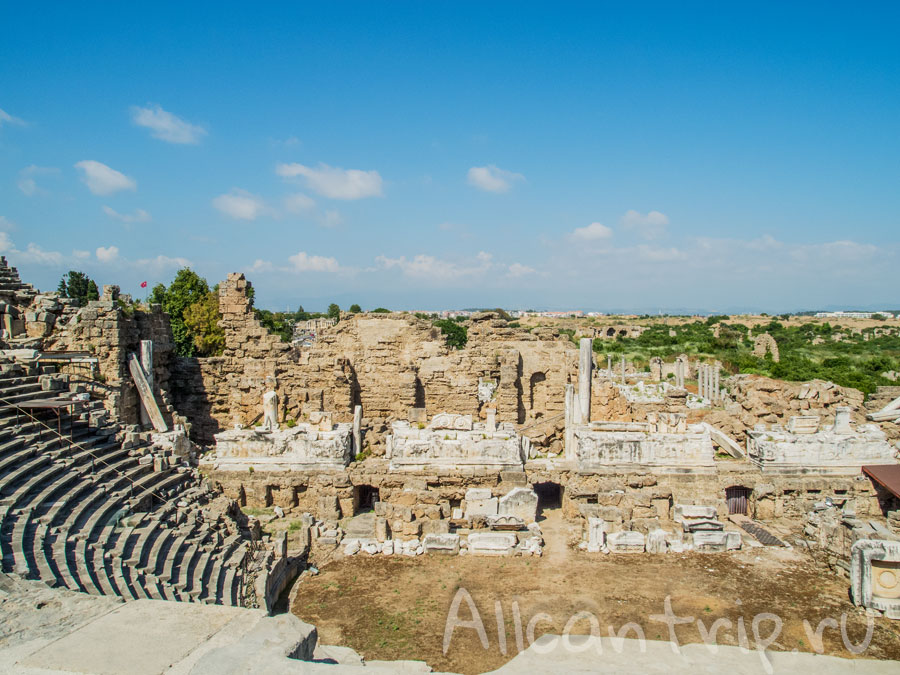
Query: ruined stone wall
{"points": [[761, 400], [387, 363], [110, 332], [638, 499]]}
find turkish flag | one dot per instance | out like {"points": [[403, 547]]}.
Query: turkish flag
{"points": [[143, 284]]}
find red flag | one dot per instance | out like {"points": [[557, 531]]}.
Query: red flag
{"points": [[143, 284]]}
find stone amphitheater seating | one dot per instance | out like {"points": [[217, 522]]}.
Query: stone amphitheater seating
{"points": [[94, 514]]}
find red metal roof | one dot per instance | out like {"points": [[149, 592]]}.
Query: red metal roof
{"points": [[886, 475]]}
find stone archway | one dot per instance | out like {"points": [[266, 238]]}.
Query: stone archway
{"points": [[765, 344]]}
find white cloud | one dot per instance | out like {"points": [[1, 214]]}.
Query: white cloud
{"points": [[519, 270], [659, 254], [35, 254], [6, 224], [27, 182], [139, 216], [261, 266], [650, 225], [81, 255], [6, 118], [592, 232], [166, 126], [299, 203], [492, 179], [331, 218], [428, 267], [101, 179], [32, 253], [302, 262], [107, 254], [333, 182], [163, 262], [240, 204]]}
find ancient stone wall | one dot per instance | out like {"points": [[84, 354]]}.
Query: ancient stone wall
{"points": [[387, 363], [638, 498], [761, 400], [110, 332]]}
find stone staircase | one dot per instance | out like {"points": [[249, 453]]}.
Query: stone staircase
{"points": [[99, 512]]}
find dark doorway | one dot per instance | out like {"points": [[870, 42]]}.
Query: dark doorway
{"points": [[550, 496], [364, 498], [737, 497]]}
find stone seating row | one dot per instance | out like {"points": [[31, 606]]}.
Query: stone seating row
{"points": [[61, 506]]}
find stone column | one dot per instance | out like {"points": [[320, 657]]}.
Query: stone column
{"points": [[147, 365], [703, 379], [679, 374], [490, 424], [357, 431], [706, 380], [623, 370], [569, 420], [609, 365], [715, 387], [585, 366]]}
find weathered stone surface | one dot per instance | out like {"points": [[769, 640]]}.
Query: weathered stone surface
{"points": [[303, 447], [839, 452], [446, 449], [491, 543], [710, 541], [444, 544], [520, 502], [656, 541], [602, 445], [596, 534], [875, 576], [481, 507], [625, 542]]}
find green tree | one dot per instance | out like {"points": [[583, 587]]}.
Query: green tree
{"points": [[456, 335], [334, 312], [186, 289], [79, 287], [279, 323], [381, 310], [355, 309], [202, 320]]}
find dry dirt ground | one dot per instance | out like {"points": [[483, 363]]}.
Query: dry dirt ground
{"points": [[389, 607]]}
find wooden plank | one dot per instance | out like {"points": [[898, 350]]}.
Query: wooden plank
{"points": [[146, 393]]}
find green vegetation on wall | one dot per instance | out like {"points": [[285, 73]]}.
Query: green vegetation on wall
{"points": [[456, 334]]}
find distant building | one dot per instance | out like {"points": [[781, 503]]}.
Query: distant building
{"points": [[852, 315]]}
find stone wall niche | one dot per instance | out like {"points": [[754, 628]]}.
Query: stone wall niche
{"points": [[875, 576]]}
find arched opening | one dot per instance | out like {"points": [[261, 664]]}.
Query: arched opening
{"points": [[737, 497], [611, 332], [364, 498], [550, 496]]}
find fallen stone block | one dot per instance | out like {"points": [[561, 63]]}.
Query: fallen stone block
{"points": [[443, 544], [521, 502], [625, 542], [492, 543]]}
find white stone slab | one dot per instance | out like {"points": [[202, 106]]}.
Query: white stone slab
{"points": [[625, 542], [492, 543], [445, 544], [521, 502]]}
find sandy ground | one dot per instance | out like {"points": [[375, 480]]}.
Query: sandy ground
{"points": [[388, 607]]}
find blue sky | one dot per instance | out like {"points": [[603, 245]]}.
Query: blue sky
{"points": [[627, 156]]}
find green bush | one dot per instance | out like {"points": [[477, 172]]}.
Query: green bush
{"points": [[455, 334]]}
